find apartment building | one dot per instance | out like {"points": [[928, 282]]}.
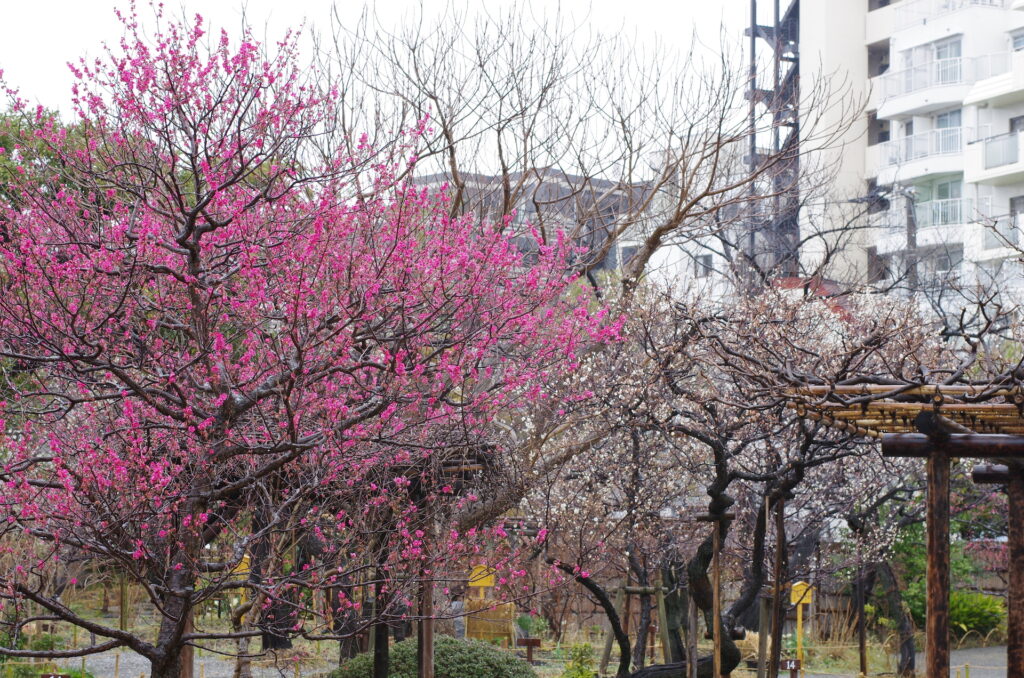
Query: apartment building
{"points": [[944, 139], [936, 161]]}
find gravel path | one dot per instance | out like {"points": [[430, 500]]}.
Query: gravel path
{"points": [[985, 662], [132, 665]]}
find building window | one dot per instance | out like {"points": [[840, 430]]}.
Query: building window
{"points": [[1017, 41], [949, 190], [948, 119], [703, 266], [947, 49]]}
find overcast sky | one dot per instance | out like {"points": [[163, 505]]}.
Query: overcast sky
{"points": [[41, 36]]}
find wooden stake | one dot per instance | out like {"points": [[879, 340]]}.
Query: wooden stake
{"points": [[862, 644], [666, 641], [763, 630], [716, 602], [123, 595], [691, 658], [780, 550], [117, 664]]}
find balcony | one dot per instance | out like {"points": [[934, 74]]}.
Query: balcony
{"points": [[925, 87], [995, 160], [944, 212], [938, 151], [999, 79], [917, 12], [937, 222]]}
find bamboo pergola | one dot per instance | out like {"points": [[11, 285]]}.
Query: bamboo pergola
{"points": [[939, 422], [873, 410]]}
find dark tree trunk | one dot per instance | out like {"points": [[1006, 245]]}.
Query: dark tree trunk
{"points": [[643, 580], [609, 609], [343, 622], [381, 651], [743, 610], [904, 626], [675, 611], [168, 667], [700, 590], [173, 623]]}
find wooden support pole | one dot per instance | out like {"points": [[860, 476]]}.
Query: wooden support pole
{"points": [[862, 622], [666, 641], [716, 601], [764, 625], [122, 622], [1015, 612], [188, 652], [780, 550], [716, 585], [937, 526], [691, 640]]}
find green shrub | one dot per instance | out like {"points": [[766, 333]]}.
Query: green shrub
{"points": [[968, 611], [975, 612], [532, 625], [45, 641], [452, 659], [581, 662]]}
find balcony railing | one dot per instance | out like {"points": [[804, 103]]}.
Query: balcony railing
{"points": [[912, 12], [1002, 150], [943, 212], [991, 65], [938, 73], [945, 141]]}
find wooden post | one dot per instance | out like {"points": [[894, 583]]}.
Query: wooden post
{"points": [[425, 632], [862, 643], [937, 620], [1015, 612], [716, 585], [763, 629], [780, 550], [188, 652], [691, 640], [123, 597], [666, 641], [716, 602]]}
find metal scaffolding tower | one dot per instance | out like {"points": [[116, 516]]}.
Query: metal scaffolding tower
{"points": [[774, 234]]}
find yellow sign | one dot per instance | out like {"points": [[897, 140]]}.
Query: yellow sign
{"points": [[800, 593], [481, 576]]}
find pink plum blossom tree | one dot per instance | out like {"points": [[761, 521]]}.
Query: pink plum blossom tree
{"points": [[220, 336]]}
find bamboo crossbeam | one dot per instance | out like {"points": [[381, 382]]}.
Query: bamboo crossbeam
{"points": [[892, 406], [924, 389]]}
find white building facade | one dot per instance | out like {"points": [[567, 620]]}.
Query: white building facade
{"points": [[938, 154], [941, 147]]}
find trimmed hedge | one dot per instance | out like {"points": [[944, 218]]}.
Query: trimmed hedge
{"points": [[453, 658]]}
